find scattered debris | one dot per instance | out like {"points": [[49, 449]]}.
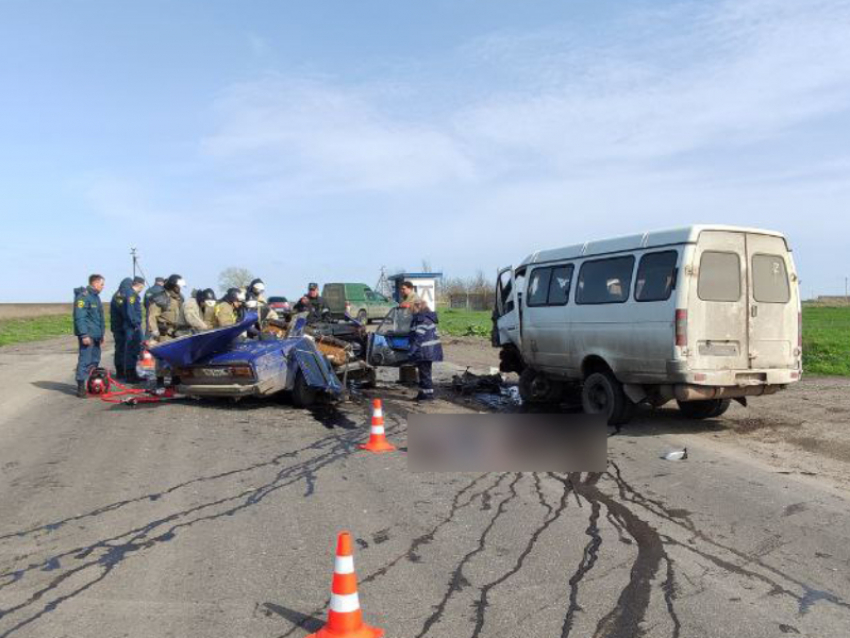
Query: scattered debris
{"points": [[676, 455], [471, 383]]}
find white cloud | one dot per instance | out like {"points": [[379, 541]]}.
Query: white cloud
{"points": [[663, 87], [332, 136]]}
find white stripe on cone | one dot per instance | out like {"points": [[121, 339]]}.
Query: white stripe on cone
{"points": [[344, 565], [345, 604], [377, 429], [378, 414]]}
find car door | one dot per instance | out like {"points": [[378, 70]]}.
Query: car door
{"points": [[718, 305], [389, 345], [772, 303], [544, 320], [506, 314]]}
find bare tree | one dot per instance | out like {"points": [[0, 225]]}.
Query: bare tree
{"points": [[234, 277]]}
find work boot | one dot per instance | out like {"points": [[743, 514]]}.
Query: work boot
{"points": [[81, 389], [424, 396]]}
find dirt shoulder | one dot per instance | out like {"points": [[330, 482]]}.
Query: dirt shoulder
{"points": [[804, 431]]}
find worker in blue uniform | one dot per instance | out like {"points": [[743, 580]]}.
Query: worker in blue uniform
{"points": [[133, 327], [425, 346], [117, 312], [89, 328]]}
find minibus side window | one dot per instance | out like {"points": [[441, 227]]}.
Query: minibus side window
{"points": [[538, 287], [559, 285], [770, 279], [719, 276], [656, 276], [605, 280]]}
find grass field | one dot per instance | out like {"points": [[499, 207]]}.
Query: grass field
{"points": [[826, 333], [826, 340], [465, 323], [36, 329]]}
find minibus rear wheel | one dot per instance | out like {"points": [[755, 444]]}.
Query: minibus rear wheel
{"points": [[710, 409], [603, 394]]}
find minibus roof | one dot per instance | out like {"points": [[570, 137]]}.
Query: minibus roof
{"points": [[654, 239]]}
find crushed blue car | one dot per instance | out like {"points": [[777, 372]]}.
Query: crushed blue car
{"points": [[221, 363], [389, 345]]}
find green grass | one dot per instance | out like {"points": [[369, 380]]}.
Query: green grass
{"points": [[826, 335], [465, 323], [826, 340], [36, 329]]}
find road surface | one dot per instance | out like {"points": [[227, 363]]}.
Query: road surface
{"points": [[208, 519]]}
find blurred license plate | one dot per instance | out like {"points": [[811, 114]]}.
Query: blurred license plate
{"points": [[212, 372]]}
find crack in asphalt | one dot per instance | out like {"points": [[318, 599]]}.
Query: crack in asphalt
{"points": [[589, 557], [458, 581], [117, 548], [553, 515], [410, 554], [805, 601]]}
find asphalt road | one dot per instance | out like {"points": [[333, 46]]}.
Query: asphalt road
{"points": [[207, 519]]}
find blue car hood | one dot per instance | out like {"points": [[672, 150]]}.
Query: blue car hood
{"points": [[187, 350], [249, 351]]}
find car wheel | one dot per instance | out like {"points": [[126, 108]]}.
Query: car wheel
{"points": [[303, 396], [538, 388], [603, 394], [704, 409], [363, 317]]}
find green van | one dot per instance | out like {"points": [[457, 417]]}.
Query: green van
{"points": [[358, 301]]}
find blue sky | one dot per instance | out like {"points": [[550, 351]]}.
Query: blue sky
{"points": [[323, 140]]}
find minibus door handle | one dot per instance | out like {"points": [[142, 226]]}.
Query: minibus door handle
{"points": [[754, 311]]}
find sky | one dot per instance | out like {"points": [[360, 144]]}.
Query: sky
{"points": [[323, 140]]}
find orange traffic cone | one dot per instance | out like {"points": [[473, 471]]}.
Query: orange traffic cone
{"points": [[345, 620], [377, 440]]}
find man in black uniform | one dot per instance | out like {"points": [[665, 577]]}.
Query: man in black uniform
{"points": [[313, 304]]}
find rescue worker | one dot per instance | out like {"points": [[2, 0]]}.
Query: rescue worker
{"points": [[227, 311], [89, 327], [408, 296], [199, 310], [258, 289], [116, 325], [165, 314], [425, 347], [152, 292], [133, 327], [313, 304]]}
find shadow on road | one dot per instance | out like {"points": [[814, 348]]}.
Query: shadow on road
{"points": [[55, 386], [306, 622]]}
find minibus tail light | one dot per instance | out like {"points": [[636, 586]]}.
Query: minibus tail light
{"points": [[682, 328]]}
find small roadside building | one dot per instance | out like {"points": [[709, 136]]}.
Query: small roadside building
{"points": [[424, 283]]}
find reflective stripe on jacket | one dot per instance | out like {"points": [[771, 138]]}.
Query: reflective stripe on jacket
{"points": [[425, 342]]}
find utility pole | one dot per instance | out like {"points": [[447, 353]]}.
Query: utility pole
{"points": [[137, 267]]}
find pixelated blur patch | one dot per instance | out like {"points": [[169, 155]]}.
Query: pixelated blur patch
{"points": [[507, 443]]}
